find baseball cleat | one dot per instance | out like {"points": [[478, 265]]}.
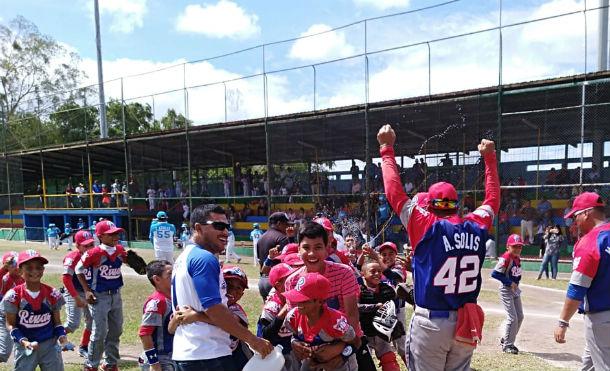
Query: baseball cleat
{"points": [[511, 349]]}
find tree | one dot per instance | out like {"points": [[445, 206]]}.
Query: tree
{"points": [[138, 118], [75, 123], [173, 120], [35, 70]]}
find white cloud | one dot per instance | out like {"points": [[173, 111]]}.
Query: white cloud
{"points": [[126, 15], [383, 4], [328, 45], [220, 20]]}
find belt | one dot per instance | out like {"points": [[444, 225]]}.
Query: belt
{"points": [[264, 275], [109, 292], [434, 313]]}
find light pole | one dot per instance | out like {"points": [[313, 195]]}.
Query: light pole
{"points": [[100, 73]]}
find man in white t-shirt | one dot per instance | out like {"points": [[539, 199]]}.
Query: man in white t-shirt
{"points": [[197, 282]]}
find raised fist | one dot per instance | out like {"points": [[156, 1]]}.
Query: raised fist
{"points": [[487, 146], [386, 136]]}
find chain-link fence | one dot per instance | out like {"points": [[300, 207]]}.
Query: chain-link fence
{"points": [[291, 125]]}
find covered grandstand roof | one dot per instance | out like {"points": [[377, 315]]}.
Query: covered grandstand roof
{"points": [[339, 133]]}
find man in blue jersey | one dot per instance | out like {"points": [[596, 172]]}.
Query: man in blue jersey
{"points": [[588, 291], [255, 235], [197, 282], [162, 237], [448, 252]]}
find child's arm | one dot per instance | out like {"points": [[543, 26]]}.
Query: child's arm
{"points": [[69, 285], [499, 273], [150, 352], [60, 332], [16, 334], [368, 308], [271, 328]]}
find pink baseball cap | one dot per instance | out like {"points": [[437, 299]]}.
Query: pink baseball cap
{"points": [[442, 191], [27, 255], [8, 256], [514, 240], [107, 227], [324, 222], [291, 248], [388, 245], [310, 286], [83, 238], [294, 260], [278, 272], [585, 200]]}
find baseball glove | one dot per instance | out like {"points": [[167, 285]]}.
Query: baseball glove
{"points": [[136, 262]]}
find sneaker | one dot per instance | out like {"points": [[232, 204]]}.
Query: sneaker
{"points": [[238, 260], [501, 341], [83, 351], [511, 349]]}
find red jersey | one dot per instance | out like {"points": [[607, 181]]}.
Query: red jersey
{"points": [[8, 282], [331, 326]]}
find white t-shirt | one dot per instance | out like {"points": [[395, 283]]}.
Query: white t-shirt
{"points": [[340, 242], [197, 281]]}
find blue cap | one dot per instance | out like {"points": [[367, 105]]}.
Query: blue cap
{"points": [[161, 215], [51, 224], [67, 224]]}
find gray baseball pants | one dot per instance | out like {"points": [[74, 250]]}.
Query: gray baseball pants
{"points": [[47, 357], [401, 342], [74, 313], [107, 314], [350, 365], [597, 336], [514, 314], [6, 342], [164, 255], [431, 345], [587, 362]]}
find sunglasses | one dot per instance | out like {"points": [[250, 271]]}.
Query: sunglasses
{"points": [[219, 226], [444, 204]]}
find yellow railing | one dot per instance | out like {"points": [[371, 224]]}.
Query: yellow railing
{"points": [[76, 201]]}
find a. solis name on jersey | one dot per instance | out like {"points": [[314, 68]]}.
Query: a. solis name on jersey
{"points": [[463, 240]]}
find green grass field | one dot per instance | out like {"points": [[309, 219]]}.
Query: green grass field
{"points": [[137, 289]]}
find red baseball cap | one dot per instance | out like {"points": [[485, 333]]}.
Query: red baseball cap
{"points": [[310, 286], [27, 255], [10, 255], [278, 272], [388, 245], [291, 248], [442, 191], [585, 200], [107, 227], [514, 240], [83, 238], [324, 222], [293, 260]]}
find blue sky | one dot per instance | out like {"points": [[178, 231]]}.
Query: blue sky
{"points": [[143, 35]]}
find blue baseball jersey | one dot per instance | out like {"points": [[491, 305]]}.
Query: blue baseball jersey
{"points": [[68, 230], [162, 236], [155, 321], [80, 225], [34, 315], [53, 232], [105, 268], [255, 234], [447, 265], [591, 268], [508, 268]]}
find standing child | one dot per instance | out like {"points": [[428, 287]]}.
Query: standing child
{"points": [[237, 282], [508, 272], [74, 295], [104, 296], [373, 294], [271, 323], [53, 236], [37, 329], [313, 323], [67, 236], [185, 235], [10, 279], [155, 332]]}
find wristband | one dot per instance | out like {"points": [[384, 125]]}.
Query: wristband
{"points": [[17, 335], [268, 262], [347, 352], [151, 356], [563, 324], [59, 331]]}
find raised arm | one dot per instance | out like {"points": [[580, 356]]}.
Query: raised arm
{"points": [[487, 149], [391, 179]]}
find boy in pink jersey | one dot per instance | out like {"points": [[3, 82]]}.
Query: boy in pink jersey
{"points": [[10, 279], [313, 324]]}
